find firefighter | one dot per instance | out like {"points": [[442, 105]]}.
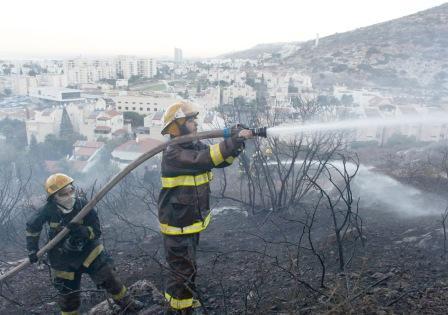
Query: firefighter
{"points": [[79, 252], [183, 205]]}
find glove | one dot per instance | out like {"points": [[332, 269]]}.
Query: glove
{"points": [[72, 244], [32, 256], [78, 231], [235, 130]]}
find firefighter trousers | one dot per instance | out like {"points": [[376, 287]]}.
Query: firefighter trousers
{"points": [[180, 254], [102, 274]]}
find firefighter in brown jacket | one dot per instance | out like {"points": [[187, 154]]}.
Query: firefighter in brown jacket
{"points": [[79, 252], [184, 207]]}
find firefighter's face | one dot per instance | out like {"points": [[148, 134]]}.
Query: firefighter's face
{"points": [[191, 125]]}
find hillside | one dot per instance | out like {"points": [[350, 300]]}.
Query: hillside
{"points": [[410, 52]]}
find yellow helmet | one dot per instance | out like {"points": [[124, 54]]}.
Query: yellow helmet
{"points": [[177, 112], [56, 182]]}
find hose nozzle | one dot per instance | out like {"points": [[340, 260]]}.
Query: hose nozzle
{"points": [[259, 132]]}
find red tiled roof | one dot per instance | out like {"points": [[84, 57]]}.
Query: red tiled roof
{"points": [[103, 128], [112, 113], [85, 151], [88, 144], [141, 146], [119, 132], [94, 115]]}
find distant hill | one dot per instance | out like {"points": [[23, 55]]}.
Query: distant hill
{"points": [[410, 52], [260, 49]]}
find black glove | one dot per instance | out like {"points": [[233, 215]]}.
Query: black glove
{"points": [[72, 244], [32, 256], [78, 231]]}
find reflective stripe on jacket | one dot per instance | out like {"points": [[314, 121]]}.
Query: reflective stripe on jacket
{"points": [[184, 206]]}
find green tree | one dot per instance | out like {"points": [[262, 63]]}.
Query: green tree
{"points": [[135, 118], [66, 126], [14, 131], [347, 99]]}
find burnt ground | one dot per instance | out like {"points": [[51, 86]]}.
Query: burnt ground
{"points": [[254, 264], [251, 264]]}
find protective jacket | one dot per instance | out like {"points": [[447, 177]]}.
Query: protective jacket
{"points": [[184, 206], [61, 259]]}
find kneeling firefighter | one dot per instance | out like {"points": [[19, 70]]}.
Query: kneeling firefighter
{"points": [[184, 206], [79, 252]]}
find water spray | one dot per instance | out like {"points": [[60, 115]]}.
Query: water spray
{"points": [[356, 124]]}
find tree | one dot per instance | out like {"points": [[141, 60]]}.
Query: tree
{"points": [[347, 99], [14, 131], [340, 202], [135, 79], [7, 91], [136, 119], [66, 127], [33, 143]]}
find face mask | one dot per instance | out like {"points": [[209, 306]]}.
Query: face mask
{"points": [[66, 203]]}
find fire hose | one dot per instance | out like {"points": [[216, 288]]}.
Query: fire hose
{"points": [[260, 132]]}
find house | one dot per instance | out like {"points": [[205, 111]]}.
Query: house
{"points": [[108, 122], [85, 154], [129, 151]]}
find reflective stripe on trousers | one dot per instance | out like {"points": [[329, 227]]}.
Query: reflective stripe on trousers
{"points": [[190, 229], [178, 304]]}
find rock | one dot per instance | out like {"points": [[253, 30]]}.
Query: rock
{"points": [[378, 275], [141, 288], [251, 295], [410, 239]]}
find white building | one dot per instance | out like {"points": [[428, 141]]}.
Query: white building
{"points": [[143, 105], [209, 98], [128, 66], [52, 80], [178, 55], [83, 71], [234, 91], [57, 95], [43, 123], [23, 84], [147, 68], [155, 124], [108, 123]]}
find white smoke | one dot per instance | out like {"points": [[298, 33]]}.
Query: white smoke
{"points": [[379, 191]]}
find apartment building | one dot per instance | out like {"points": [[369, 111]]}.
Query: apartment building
{"points": [[128, 66], [143, 105]]}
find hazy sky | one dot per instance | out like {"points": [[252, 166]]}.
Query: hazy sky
{"points": [[202, 28]]}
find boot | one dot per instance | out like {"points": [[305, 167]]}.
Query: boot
{"points": [[196, 304]]}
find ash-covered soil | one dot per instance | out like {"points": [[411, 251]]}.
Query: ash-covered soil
{"points": [[254, 264]]}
